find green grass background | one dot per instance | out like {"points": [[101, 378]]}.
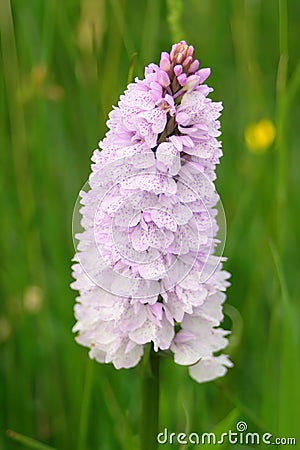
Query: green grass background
{"points": [[63, 65]]}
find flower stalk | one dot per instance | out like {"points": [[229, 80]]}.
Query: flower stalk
{"points": [[150, 401]]}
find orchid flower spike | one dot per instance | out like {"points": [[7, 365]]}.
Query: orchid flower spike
{"points": [[145, 264]]}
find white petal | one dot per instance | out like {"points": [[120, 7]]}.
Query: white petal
{"points": [[97, 354], [163, 218], [146, 333], [212, 308], [128, 359], [184, 354], [176, 307], [154, 270], [140, 239], [210, 368], [168, 154], [182, 214], [165, 335], [194, 297]]}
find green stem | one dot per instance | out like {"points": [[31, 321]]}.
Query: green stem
{"points": [[150, 402], [169, 129], [131, 68], [86, 397]]}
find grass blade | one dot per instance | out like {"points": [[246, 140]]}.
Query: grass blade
{"points": [[289, 389], [27, 441]]}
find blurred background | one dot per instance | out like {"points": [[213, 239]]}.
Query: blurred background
{"points": [[63, 65]]}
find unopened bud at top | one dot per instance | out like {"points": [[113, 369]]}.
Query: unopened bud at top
{"points": [[180, 64]]}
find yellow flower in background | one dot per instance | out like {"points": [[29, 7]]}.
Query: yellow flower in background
{"points": [[37, 85], [38, 74], [33, 299], [260, 135]]}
